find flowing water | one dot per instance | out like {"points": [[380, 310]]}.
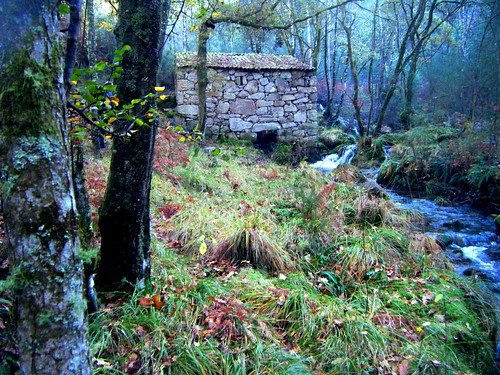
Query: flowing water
{"points": [[333, 161]]}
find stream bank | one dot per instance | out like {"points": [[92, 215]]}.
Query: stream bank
{"points": [[467, 235]]}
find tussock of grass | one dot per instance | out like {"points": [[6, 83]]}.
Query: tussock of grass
{"points": [[248, 245]]}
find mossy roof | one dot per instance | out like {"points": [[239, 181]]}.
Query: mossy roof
{"points": [[246, 61]]}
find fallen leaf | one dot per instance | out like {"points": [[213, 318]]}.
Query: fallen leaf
{"points": [[403, 367], [157, 301], [134, 363], [145, 301], [203, 248], [140, 330], [438, 298]]}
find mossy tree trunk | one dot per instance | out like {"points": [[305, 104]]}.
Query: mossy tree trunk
{"points": [[37, 194], [407, 114], [124, 219], [202, 75]]}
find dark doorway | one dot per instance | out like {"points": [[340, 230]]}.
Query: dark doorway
{"points": [[266, 141]]}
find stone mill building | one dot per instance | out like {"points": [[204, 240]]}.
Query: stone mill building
{"points": [[258, 97]]}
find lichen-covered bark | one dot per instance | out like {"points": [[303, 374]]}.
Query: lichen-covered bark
{"points": [[201, 72], [37, 198], [124, 216]]}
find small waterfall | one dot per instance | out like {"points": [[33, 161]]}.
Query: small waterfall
{"points": [[387, 152], [333, 161]]}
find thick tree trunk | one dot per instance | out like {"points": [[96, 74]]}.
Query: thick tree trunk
{"points": [[124, 216], [38, 202]]}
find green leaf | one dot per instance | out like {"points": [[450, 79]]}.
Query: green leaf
{"points": [[216, 152], [182, 139], [101, 65], [139, 122], [89, 98], [79, 135], [438, 297], [109, 87], [202, 12], [64, 8], [92, 87], [128, 106], [109, 114]]}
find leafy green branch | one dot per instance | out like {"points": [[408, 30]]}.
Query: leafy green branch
{"points": [[99, 106]]}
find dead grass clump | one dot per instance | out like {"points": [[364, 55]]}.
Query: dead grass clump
{"points": [[348, 175], [248, 245], [372, 211], [421, 243]]}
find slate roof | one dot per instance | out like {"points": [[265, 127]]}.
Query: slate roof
{"points": [[246, 61]]}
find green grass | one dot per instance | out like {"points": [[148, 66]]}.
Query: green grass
{"points": [[301, 275]]}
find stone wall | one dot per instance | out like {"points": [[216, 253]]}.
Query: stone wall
{"points": [[243, 103]]}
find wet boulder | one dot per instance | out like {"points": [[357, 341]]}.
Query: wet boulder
{"points": [[493, 252], [456, 255], [455, 225], [444, 239], [373, 189], [472, 272]]}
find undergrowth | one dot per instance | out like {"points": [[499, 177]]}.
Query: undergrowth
{"points": [[265, 269], [261, 268], [458, 163]]}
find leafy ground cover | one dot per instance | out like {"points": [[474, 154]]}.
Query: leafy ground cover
{"points": [[266, 269], [261, 268]]}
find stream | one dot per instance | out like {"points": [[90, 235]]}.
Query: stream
{"points": [[466, 234]]}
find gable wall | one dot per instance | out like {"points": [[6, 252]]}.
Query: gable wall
{"points": [[242, 103]]}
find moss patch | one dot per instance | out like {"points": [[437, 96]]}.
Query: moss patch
{"points": [[27, 95]]}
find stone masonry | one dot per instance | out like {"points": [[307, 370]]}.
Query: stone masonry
{"points": [[248, 94]]}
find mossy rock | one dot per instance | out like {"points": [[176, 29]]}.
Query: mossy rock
{"points": [[333, 138]]}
